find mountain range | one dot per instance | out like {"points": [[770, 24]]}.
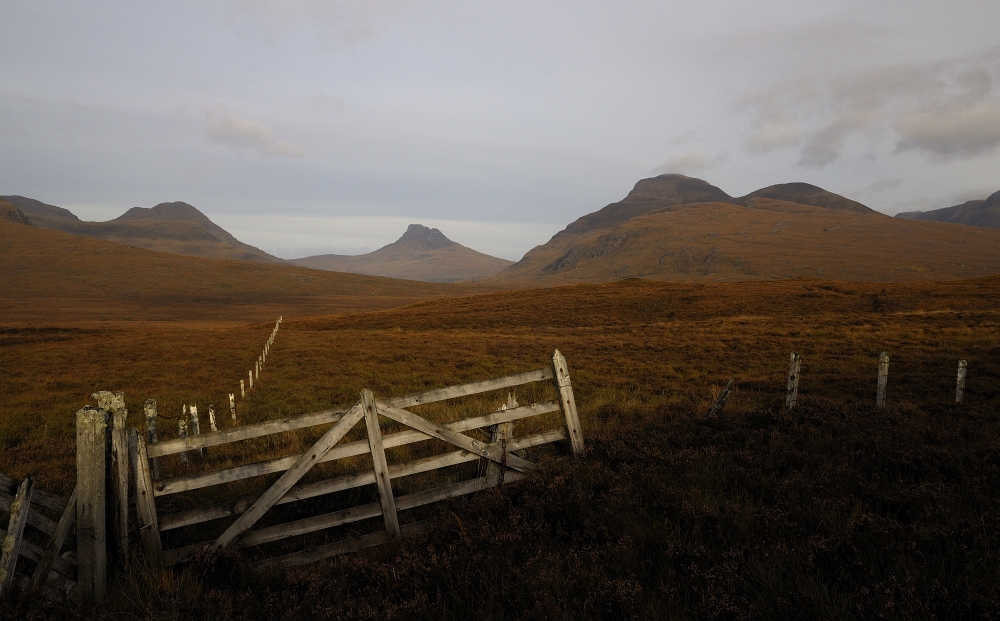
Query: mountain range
{"points": [[420, 254], [175, 227], [673, 227], [984, 213]]}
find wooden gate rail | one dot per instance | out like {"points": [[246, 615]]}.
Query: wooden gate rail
{"points": [[350, 449], [248, 510]]}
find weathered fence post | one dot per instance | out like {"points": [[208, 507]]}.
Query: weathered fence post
{"points": [[149, 528], [19, 509], [119, 470], [720, 401], [182, 432], [500, 433], [91, 538], [232, 405], [792, 395], [379, 463], [250, 373], [150, 410], [196, 427], [560, 371], [211, 418], [883, 379], [960, 384], [243, 392]]}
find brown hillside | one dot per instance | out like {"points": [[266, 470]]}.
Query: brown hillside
{"points": [[767, 239], [658, 193], [55, 276], [11, 213], [420, 254], [175, 227], [983, 213]]}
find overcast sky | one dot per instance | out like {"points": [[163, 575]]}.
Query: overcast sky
{"points": [[322, 126]]}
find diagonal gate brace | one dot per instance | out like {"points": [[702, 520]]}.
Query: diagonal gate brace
{"points": [[288, 480], [491, 452]]}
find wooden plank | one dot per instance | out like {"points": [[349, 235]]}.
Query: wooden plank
{"points": [[247, 432], [343, 547], [145, 503], [91, 426], [464, 390], [350, 449], [11, 547], [40, 498], [379, 464], [52, 549], [119, 475], [452, 437], [64, 564], [35, 519], [883, 379], [338, 484], [309, 459], [568, 402]]}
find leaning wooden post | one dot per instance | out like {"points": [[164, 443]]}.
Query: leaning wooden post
{"points": [[883, 379], [149, 527], [560, 371], [11, 547], [960, 384], [54, 547], [380, 465], [792, 395], [150, 410], [720, 401], [91, 543]]}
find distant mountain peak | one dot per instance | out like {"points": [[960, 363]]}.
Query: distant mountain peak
{"points": [[419, 237], [176, 210]]}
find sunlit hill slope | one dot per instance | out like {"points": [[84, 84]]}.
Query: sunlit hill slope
{"points": [[672, 232]]}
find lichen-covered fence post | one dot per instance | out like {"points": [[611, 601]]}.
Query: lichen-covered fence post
{"points": [[960, 382], [91, 534], [883, 379], [182, 432], [792, 394], [243, 392], [150, 410], [232, 405]]}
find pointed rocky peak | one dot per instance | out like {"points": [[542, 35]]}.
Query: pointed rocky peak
{"points": [[419, 237]]}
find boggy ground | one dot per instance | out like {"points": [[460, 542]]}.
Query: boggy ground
{"points": [[835, 511]]}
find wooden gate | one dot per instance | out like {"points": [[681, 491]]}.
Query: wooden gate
{"points": [[503, 455], [52, 570]]}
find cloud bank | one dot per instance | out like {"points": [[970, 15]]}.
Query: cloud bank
{"points": [[239, 133]]}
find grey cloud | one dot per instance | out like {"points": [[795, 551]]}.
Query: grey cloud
{"points": [[946, 109], [239, 133], [881, 185], [954, 131], [341, 23]]}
